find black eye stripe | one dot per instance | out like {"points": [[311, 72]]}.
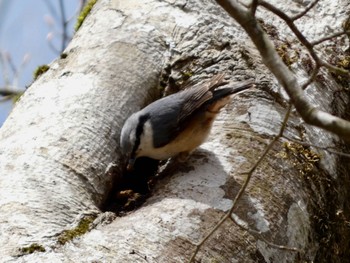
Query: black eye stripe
{"points": [[139, 131]]}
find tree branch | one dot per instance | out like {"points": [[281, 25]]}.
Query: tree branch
{"points": [[9, 92], [258, 235], [290, 23], [253, 7], [334, 35], [310, 114], [296, 17], [312, 77]]}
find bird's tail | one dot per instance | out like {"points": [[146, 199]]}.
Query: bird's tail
{"points": [[222, 96], [221, 93]]}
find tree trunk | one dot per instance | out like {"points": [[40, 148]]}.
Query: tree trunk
{"points": [[59, 148]]}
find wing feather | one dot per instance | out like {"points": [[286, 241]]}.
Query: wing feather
{"points": [[174, 112], [198, 95]]}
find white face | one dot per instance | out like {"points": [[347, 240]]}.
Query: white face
{"points": [[127, 138], [146, 141], [132, 138]]}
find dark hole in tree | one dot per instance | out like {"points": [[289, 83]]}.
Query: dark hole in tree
{"points": [[131, 191]]}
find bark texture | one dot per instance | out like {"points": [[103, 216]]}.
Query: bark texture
{"points": [[61, 140]]}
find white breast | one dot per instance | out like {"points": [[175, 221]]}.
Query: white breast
{"points": [[193, 136]]}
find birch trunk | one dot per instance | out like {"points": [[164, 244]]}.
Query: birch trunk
{"points": [[58, 146]]}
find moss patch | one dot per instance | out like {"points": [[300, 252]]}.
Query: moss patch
{"points": [[340, 58], [83, 14], [79, 230], [330, 218], [63, 55], [342, 61], [287, 53], [301, 157], [284, 48], [35, 247], [40, 70]]}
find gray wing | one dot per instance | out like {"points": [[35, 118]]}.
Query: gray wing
{"points": [[200, 94], [172, 113]]}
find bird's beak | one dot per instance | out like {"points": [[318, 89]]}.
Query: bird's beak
{"points": [[130, 165]]}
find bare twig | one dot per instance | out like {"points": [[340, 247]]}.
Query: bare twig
{"points": [[11, 64], [337, 70], [291, 25], [309, 46], [253, 7], [334, 35], [244, 186], [64, 26], [17, 73], [4, 67], [10, 91], [11, 83], [258, 235], [52, 46], [310, 114], [296, 17], [63, 31], [52, 9], [312, 77], [6, 98]]}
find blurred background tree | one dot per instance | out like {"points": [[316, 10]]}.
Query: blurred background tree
{"points": [[32, 33]]}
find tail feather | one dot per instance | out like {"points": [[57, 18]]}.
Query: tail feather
{"points": [[220, 93], [221, 96]]}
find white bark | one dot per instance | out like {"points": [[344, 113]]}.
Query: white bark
{"points": [[57, 145], [64, 133]]}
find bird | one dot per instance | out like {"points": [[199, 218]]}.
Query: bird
{"points": [[177, 124]]}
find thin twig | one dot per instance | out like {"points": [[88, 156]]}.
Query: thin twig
{"points": [[6, 62], [64, 26], [253, 7], [245, 184], [52, 9], [337, 70], [52, 46], [312, 77], [10, 91], [11, 64], [17, 74], [308, 111], [290, 23], [296, 17], [6, 98], [62, 18], [334, 35], [223, 219], [4, 71], [258, 235]]}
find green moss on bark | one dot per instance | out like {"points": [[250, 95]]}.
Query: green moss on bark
{"points": [[83, 14]]}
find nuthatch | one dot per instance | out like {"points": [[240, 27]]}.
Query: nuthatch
{"points": [[176, 124]]}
